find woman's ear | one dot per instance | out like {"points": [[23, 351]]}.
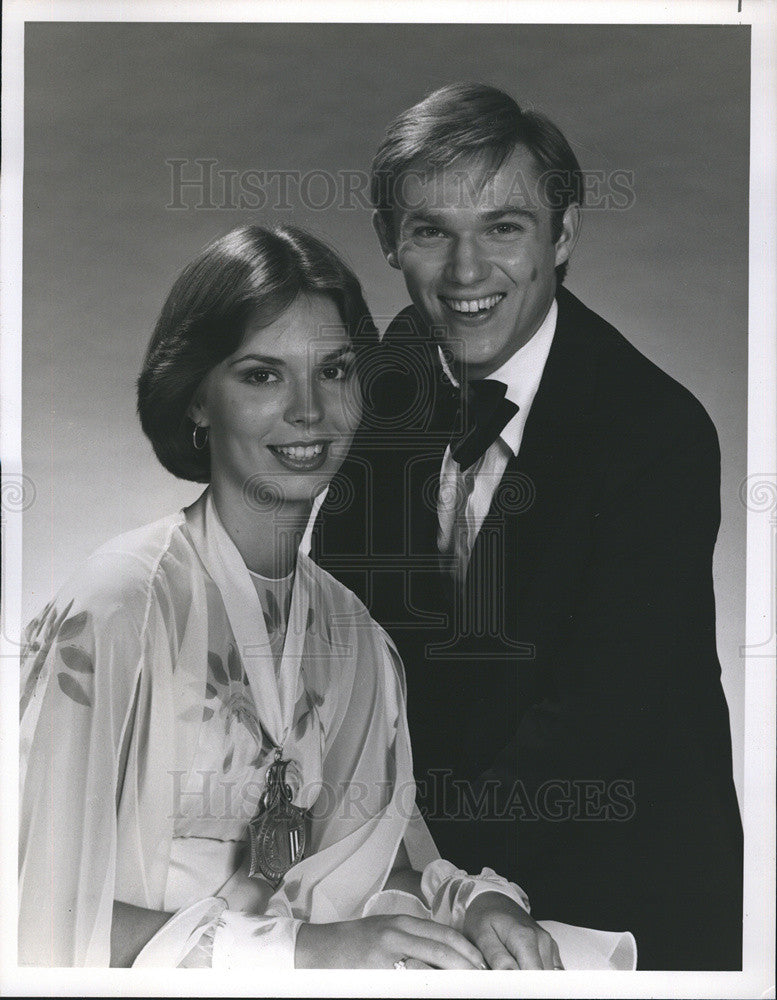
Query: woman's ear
{"points": [[197, 411], [385, 238]]}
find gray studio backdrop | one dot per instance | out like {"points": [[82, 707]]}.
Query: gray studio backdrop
{"points": [[117, 114]]}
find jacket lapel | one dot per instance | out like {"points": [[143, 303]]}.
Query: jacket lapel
{"points": [[539, 485]]}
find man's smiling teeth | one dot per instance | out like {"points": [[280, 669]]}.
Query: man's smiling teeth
{"points": [[300, 452], [472, 305]]}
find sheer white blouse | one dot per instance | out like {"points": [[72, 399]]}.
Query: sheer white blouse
{"points": [[148, 725]]}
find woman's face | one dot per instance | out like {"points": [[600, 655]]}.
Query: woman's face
{"points": [[282, 410]]}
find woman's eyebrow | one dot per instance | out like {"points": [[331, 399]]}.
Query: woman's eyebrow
{"points": [[265, 359], [337, 353]]}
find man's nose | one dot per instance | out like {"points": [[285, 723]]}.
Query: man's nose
{"points": [[304, 407], [466, 263]]}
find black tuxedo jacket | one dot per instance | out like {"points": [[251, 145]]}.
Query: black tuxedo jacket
{"points": [[568, 724]]}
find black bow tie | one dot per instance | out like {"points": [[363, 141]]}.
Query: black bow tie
{"points": [[483, 414]]}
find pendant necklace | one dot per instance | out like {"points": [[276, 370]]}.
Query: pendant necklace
{"points": [[277, 832]]}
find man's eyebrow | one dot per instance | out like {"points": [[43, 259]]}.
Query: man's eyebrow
{"points": [[442, 221], [422, 215], [509, 210]]}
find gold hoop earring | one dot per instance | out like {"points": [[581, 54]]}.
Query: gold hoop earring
{"points": [[199, 447]]}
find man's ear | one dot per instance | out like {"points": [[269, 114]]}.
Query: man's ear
{"points": [[570, 230], [385, 238]]}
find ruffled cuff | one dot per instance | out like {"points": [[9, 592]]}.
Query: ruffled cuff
{"points": [[392, 902], [207, 935], [448, 891], [184, 940], [242, 941]]}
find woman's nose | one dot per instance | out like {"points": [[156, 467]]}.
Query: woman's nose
{"points": [[466, 264], [304, 407]]}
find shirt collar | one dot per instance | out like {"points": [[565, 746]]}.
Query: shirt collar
{"points": [[521, 373]]}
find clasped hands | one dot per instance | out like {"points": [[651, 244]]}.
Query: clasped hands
{"points": [[507, 936], [497, 934]]}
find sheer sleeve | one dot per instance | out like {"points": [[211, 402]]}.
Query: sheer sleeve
{"points": [[80, 672]]}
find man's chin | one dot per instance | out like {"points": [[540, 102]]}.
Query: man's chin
{"points": [[479, 359]]}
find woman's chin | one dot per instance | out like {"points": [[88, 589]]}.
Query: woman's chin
{"points": [[266, 494]]}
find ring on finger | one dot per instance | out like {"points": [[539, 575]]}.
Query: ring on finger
{"points": [[401, 963]]}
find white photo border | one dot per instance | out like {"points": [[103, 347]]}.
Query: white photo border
{"points": [[760, 495]]}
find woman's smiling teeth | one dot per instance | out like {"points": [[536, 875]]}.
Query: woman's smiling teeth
{"points": [[298, 452], [473, 305], [299, 457]]}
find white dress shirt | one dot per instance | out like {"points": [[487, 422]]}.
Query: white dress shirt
{"points": [[521, 373]]}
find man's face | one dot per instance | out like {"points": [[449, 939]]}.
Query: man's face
{"points": [[478, 256]]}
